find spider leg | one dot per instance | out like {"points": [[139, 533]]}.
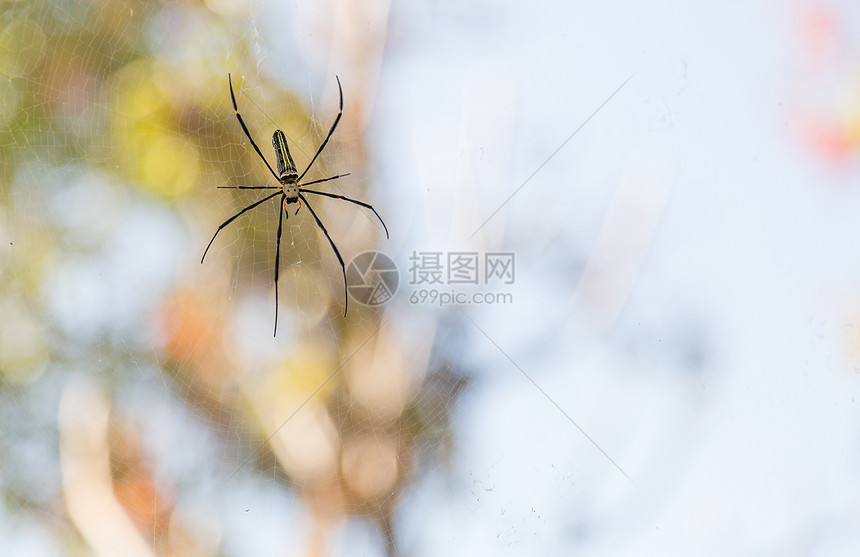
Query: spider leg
{"points": [[234, 217], [336, 252], [278, 262], [317, 181], [363, 204], [245, 128], [249, 187], [331, 131], [287, 211]]}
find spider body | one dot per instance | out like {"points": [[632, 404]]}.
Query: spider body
{"points": [[287, 173], [292, 190]]}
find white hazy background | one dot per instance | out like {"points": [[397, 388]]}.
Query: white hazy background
{"points": [[687, 272]]}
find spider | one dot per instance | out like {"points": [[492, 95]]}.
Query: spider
{"points": [[291, 190]]}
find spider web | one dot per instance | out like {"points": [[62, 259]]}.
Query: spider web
{"points": [[147, 409]]}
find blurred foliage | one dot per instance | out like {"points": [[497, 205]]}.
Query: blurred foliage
{"points": [[113, 110]]}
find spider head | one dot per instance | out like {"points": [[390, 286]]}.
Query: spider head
{"points": [[291, 190]]}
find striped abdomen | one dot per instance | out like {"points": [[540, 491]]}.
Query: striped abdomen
{"points": [[286, 167]]}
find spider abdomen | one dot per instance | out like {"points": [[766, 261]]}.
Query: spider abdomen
{"points": [[287, 172]]}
